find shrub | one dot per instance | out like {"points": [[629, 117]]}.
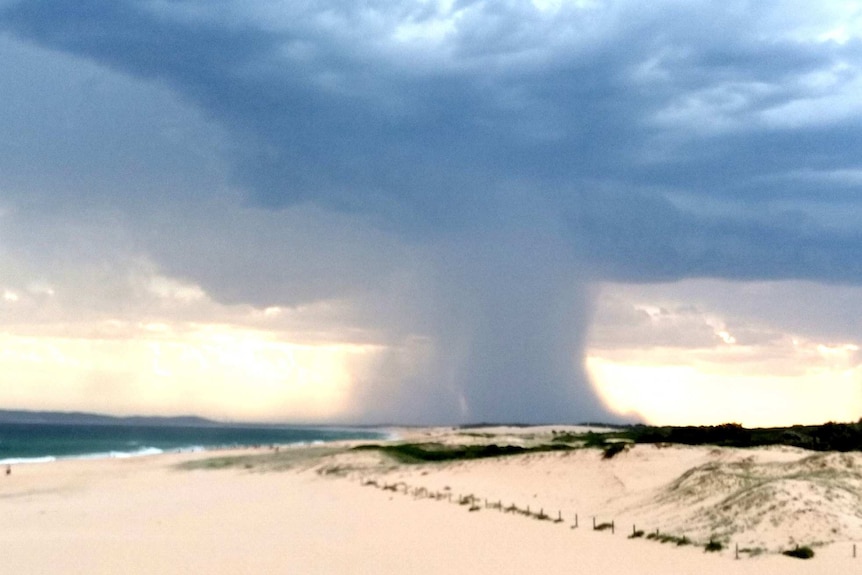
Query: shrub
{"points": [[713, 546], [613, 449], [803, 552], [668, 538], [753, 551]]}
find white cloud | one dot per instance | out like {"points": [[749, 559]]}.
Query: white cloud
{"points": [[846, 176], [169, 288], [715, 110], [825, 97], [695, 351]]}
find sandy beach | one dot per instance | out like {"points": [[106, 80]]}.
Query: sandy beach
{"points": [[335, 510]]}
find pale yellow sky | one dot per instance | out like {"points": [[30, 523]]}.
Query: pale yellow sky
{"points": [[687, 354], [667, 363], [218, 371]]}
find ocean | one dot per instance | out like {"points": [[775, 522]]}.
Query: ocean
{"points": [[36, 442]]}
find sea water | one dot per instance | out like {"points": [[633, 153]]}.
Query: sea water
{"points": [[33, 442]]}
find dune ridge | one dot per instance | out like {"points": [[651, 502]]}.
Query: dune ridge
{"points": [[763, 500], [337, 509]]}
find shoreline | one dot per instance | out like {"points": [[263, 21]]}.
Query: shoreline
{"points": [[314, 509], [41, 443]]}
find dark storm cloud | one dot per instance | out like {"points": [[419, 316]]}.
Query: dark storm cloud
{"points": [[618, 141], [321, 113], [636, 237]]}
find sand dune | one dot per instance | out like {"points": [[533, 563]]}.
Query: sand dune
{"points": [[811, 499], [331, 510]]}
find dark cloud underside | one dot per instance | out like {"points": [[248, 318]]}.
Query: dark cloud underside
{"points": [[641, 143]]}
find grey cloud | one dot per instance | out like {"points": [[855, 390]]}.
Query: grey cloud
{"points": [[825, 313], [619, 324], [506, 310], [635, 138], [84, 135], [290, 257]]}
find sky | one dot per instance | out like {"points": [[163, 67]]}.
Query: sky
{"points": [[432, 211]]}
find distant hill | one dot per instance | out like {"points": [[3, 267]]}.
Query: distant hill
{"points": [[80, 418]]}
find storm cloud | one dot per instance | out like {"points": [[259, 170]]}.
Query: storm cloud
{"points": [[477, 166]]}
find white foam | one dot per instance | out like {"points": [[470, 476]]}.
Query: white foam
{"points": [[19, 460], [137, 453]]}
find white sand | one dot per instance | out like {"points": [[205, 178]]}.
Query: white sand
{"points": [[143, 515]]}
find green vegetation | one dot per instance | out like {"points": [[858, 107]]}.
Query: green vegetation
{"points": [[668, 538], [800, 552], [268, 460], [216, 463], [435, 452], [566, 437], [753, 551], [827, 437], [466, 500], [612, 449], [713, 546]]}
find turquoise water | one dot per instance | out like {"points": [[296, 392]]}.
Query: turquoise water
{"points": [[46, 442]]}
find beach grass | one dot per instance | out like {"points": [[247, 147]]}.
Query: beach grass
{"points": [[269, 460], [438, 452]]}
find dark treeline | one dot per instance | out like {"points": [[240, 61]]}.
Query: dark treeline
{"points": [[827, 437]]}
